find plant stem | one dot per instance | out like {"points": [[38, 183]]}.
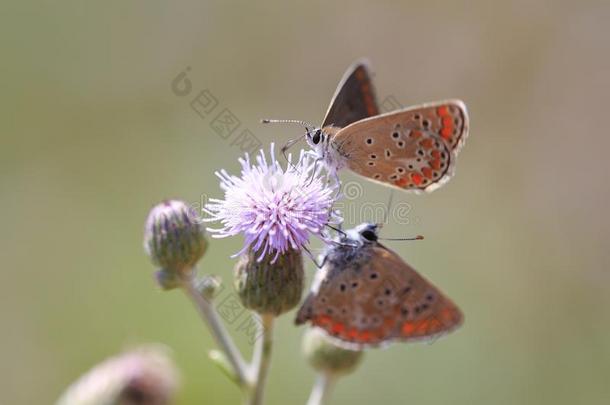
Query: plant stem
{"points": [[210, 317], [321, 389], [261, 360]]}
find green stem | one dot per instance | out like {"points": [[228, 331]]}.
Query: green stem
{"points": [[261, 360], [321, 389], [210, 317]]}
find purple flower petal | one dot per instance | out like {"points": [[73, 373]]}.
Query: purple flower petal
{"points": [[275, 209]]}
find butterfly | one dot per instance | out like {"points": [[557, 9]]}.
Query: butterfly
{"points": [[365, 295], [412, 149]]}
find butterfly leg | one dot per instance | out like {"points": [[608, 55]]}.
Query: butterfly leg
{"points": [[315, 169], [337, 180], [313, 259], [338, 230], [294, 167]]}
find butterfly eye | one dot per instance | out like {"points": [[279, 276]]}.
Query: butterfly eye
{"points": [[369, 235], [317, 137]]}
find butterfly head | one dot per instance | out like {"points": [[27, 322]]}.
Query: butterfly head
{"points": [[363, 234], [321, 142], [317, 140], [366, 234]]}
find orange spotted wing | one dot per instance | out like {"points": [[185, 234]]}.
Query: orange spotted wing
{"points": [[413, 149], [365, 295]]}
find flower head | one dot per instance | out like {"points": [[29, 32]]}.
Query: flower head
{"points": [[145, 375], [275, 209], [174, 238], [270, 286]]}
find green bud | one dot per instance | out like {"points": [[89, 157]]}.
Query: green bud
{"points": [[326, 357], [270, 288], [209, 286], [174, 238], [167, 280]]}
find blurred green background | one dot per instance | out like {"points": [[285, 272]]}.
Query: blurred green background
{"points": [[92, 136]]}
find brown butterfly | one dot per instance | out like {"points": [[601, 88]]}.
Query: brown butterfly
{"points": [[412, 149], [365, 295]]}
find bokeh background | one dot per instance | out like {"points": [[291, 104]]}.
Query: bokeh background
{"points": [[92, 136]]}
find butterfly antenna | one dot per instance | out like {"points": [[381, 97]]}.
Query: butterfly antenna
{"points": [[388, 208], [418, 237], [274, 121], [290, 143]]}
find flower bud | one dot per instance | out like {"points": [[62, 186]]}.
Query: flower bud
{"points": [[209, 286], [326, 357], [174, 238], [167, 280], [270, 286], [144, 376]]}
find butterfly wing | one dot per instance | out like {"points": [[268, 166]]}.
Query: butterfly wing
{"points": [[412, 149], [375, 298], [354, 98]]}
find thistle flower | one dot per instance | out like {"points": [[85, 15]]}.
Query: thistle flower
{"points": [[275, 209], [174, 238], [145, 376]]}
